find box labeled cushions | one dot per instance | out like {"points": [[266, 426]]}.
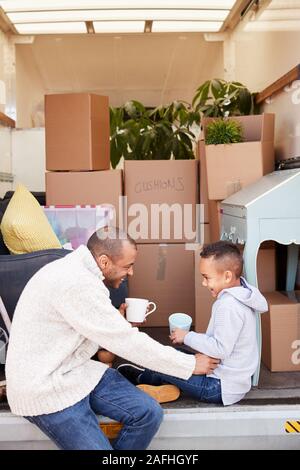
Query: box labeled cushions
{"points": [[161, 200]]}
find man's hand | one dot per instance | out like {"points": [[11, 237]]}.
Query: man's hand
{"points": [[205, 364], [177, 336], [122, 309]]}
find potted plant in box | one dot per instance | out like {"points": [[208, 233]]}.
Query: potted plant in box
{"points": [[154, 143], [138, 133], [223, 131], [219, 98], [238, 151], [230, 167]]}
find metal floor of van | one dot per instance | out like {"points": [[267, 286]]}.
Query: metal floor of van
{"points": [[268, 380], [257, 422]]}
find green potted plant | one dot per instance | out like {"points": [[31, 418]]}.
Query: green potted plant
{"points": [[160, 169], [238, 151], [219, 98], [138, 133], [251, 155], [223, 131]]}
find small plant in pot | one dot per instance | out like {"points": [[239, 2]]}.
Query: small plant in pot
{"points": [[223, 131]]}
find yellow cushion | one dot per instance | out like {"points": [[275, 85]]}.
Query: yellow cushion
{"points": [[24, 226]]}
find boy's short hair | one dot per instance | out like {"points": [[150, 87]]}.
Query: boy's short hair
{"points": [[227, 253]]}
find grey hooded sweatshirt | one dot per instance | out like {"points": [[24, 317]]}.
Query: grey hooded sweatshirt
{"points": [[231, 337]]}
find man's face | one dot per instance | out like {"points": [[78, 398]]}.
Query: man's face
{"points": [[116, 270], [214, 278]]}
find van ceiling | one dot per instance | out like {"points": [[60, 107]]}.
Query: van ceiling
{"points": [[154, 69], [90, 16]]}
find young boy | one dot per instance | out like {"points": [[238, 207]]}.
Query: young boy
{"points": [[230, 336]]}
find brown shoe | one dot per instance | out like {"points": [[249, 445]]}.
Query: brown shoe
{"points": [[161, 393], [111, 430]]}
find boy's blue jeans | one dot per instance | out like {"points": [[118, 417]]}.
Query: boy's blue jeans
{"points": [[77, 427], [202, 388]]}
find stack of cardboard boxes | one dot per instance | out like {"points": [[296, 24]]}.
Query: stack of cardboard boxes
{"points": [[161, 207], [78, 151], [225, 169], [166, 272]]}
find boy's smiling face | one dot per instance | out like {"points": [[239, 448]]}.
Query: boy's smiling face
{"points": [[215, 278]]}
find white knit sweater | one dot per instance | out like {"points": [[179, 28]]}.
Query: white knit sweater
{"points": [[63, 315]]}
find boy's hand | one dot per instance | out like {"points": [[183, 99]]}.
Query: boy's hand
{"points": [[106, 356], [177, 336]]}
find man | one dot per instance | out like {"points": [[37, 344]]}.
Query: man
{"points": [[63, 315]]}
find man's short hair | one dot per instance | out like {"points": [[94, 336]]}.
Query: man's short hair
{"points": [[109, 241], [227, 254]]}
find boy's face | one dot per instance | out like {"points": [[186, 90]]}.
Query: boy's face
{"points": [[214, 277]]}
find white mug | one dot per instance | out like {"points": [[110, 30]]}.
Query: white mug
{"points": [[136, 310]]}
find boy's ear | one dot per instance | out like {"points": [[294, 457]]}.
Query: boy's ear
{"points": [[228, 276]]}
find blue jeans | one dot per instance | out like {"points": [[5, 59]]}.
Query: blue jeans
{"points": [[202, 388], [77, 427]]}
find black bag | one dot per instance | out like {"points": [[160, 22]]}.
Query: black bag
{"points": [[288, 164]]}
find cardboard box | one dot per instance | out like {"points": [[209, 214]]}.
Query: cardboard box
{"points": [[164, 273], [203, 297], [203, 181], [266, 269], [281, 333], [215, 222], [77, 132], [266, 273], [85, 188], [160, 194], [233, 166], [266, 266]]}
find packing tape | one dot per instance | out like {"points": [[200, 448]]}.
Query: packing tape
{"points": [[161, 262]]}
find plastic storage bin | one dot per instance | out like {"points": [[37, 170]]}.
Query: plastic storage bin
{"points": [[74, 225]]}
